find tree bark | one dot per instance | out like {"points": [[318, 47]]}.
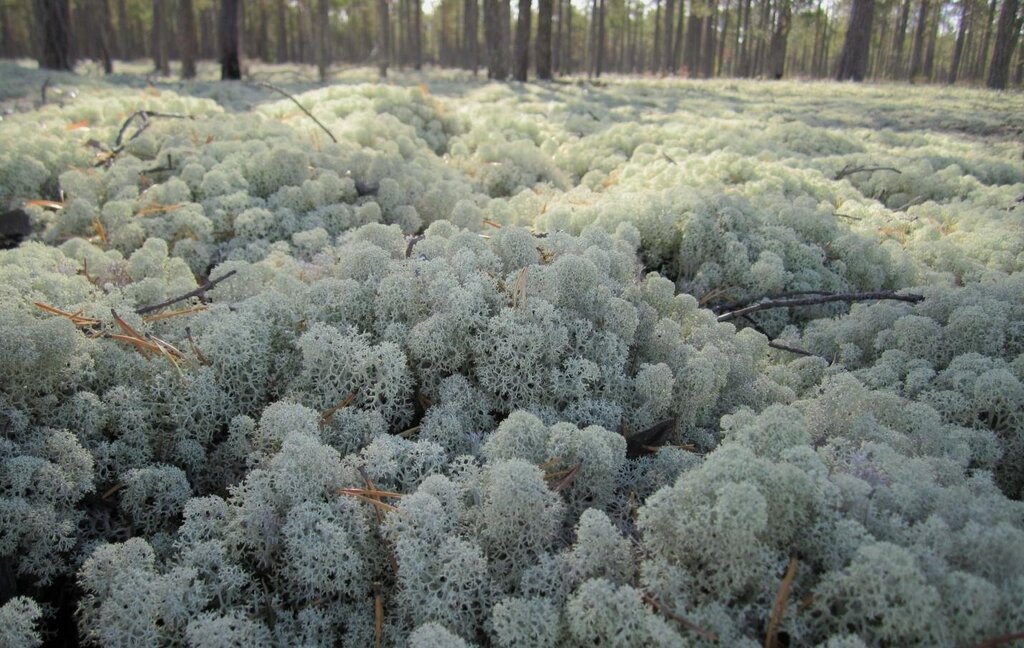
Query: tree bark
{"points": [[544, 11], [600, 37], [282, 33], [666, 56], [188, 39], [230, 31], [917, 55], [158, 38], [853, 62], [53, 18], [1006, 41], [383, 37], [780, 38], [958, 49], [105, 30], [898, 39], [656, 60], [470, 42], [933, 37], [322, 28], [677, 40], [522, 55]]}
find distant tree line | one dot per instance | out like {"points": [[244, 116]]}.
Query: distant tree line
{"points": [[938, 41]]}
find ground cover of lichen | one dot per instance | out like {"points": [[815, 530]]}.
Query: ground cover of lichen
{"points": [[402, 417]]}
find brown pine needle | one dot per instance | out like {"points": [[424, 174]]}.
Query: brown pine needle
{"points": [[369, 492], [101, 232], [378, 614], [563, 479], [494, 224], [110, 491], [1002, 640], [381, 506], [686, 623], [49, 204], [76, 318], [149, 319], [142, 345], [519, 290], [410, 433], [781, 601], [328, 414], [549, 463], [125, 326], [192, 343], [157, 208]]}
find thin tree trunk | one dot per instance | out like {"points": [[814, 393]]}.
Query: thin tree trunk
{"points": [[417, 35], [708, 41], [188, 39], [322, 27], [677, 40], [917, 56], [656, 59], [1007, 30], [230, 29], [670, 6], [898, 39], [471, 56], [124, 38], [556, 48], [568, 38], [958, 49], [600, 37], [522, 55], [544, 10], [929, 59], [282, 33], [978, 70], [161, 60], [105, 30], [726, 15], [383, 38], [853, 62], [780, 38]]}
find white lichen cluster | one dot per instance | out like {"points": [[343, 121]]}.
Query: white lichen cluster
{"points": [[421, 408]]}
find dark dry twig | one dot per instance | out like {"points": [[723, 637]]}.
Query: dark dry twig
{"points": [[198, 292], [270, 86], [850, 169], [1002, 640], [42, 91], [686, 623], [145, 116], [819, 299]]}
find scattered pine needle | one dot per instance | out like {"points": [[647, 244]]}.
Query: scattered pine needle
{"points": [[328, 414], [77, 319], [563, 479], [686, 623], [195, 349], [110, 491], [771, 639], [489, 222], [175, 313], [157, 209], [49, 204], [519, 290], [82, 124], [378, 614], [101, 231], [410, 433], [379, 505], [550, 463], [369, 492]]}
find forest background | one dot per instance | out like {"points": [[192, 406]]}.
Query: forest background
{"points": [[938, 41]]}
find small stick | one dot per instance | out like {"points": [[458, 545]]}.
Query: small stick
{"points": [[771, 639], [378, 614], [328, 414], [295, 101], [784, 347], [849, 169], [820, 299], [686, 623], [110, 491], [149, 319], [369, 492], [198, 292], [192, 343], [42, 91], [1001, 640], [145, 115]]}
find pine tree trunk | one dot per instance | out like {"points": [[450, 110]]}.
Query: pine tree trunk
{"points": [[780, 38], [677, 40], [958, 49], [522, 55], [898, 39], [417, 34], [853, 62], [1007, 31], [978, 70], [230, 31], [600, 38], [567, 56], [161, 59], [322, 28], [556, 49], [383, 38], [929, 58], [544, 10], [282, 33], [105, 30], [707, 57], [666, 57], [917, 56], [656, 59], [470, 43], [188, 39]]}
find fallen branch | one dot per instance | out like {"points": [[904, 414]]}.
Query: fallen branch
{"points": [[850, 169], [198, 292], [295, 101], [784, 347], [768, 304], [42, 91], [145, 116]]}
